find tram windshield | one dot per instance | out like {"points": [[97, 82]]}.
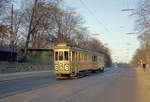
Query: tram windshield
{"points": [[61, 55]]}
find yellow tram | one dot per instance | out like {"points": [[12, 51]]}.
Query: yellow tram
{"points": [[69, 61]]}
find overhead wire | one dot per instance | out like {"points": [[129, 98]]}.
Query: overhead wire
{"points": [[96, 18]]}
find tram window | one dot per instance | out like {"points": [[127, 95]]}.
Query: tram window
{"points": [[60, 55], [56, 56], [89, 57], [80, 56], [100, 58], [94, 58], [66, 55], [85, 57]]}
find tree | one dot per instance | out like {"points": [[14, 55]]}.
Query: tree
{"points": [[43, 23], [3, 5], [142, 13], [138, 58], [4, 9], [4, 35], [144, 39], [39, 15]]}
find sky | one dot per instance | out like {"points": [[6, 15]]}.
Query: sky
{"points": [[104, 17]]}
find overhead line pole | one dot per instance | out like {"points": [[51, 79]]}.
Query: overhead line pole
{"points": [[30, 27], [11, 34]]}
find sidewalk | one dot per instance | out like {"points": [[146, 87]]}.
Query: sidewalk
{"points": [[18, 75], [143, 86]]}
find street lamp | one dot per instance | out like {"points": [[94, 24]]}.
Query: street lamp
{"points": [[106, 44], [69, 12], [128, 43], [132, 33], [128, 9], [95, 35]]}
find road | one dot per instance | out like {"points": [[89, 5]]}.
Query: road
{"points": [[120, 84]]}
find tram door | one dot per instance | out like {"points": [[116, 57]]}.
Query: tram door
{"points": [[74, 61]]}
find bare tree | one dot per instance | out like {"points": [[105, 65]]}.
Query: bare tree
{"points": [[3, 5], [4, 35], [18, 23], [138, 58], [142, 13], [39, 16]]}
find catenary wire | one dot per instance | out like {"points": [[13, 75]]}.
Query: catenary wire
{"points": [[90, 11]]}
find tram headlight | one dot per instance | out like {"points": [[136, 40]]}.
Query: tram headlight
{"points": [[66, 67], [56, 67]]}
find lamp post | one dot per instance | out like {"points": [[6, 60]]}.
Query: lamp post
{"points": [[131, 33], [69, 12], [105, 44], [128, 9], [95, 35]]}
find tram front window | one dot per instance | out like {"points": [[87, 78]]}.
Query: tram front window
{"points": [[61, 55], [66, 55], [56, 56]]}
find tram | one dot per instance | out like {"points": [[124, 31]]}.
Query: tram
{"points": [[69, 61]]}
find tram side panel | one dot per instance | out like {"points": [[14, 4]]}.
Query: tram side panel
{"points": [[85, 62]]}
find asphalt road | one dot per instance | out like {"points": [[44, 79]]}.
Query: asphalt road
{"points": [[113, 85]]}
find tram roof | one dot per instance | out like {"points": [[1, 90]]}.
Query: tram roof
{"points": [[67, 45], [84, 50]]}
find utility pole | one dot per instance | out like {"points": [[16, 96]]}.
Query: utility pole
{"points": [[30, 27], [11, 35]]}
